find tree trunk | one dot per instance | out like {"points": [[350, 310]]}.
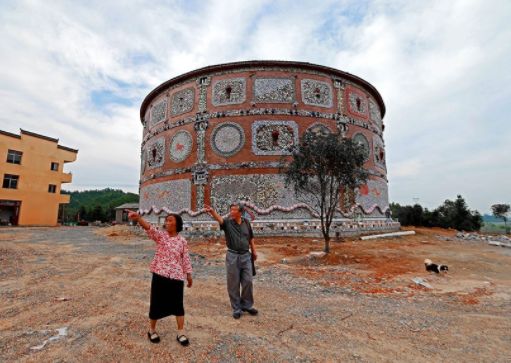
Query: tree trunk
{"points": [[327, 244]]}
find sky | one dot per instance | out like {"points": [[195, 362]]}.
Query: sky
{"points": [[79, 71]]}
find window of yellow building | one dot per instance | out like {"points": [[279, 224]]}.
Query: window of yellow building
{"points": [[10, 181], [14, 157]]}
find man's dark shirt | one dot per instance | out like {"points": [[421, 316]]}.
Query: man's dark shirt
{"points": [[237, 235]]}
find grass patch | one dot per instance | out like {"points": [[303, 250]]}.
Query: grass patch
{"points": [[495, 227]]}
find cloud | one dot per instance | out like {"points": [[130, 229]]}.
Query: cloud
{"points": [[407, 168], [440, 67], [79, 72]]}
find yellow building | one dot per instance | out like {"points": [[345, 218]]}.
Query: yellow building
{"points": [[31, 166]]}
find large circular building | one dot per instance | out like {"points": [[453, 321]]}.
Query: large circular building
{"points": [[218, 134]]}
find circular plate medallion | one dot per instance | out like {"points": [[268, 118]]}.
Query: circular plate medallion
{"points": [[180, 146], [227, 139]]}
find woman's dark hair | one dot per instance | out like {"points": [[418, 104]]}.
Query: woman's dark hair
{"points": [[179, 221]]}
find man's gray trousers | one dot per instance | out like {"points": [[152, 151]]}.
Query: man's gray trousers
{"points": [[239, 272]]}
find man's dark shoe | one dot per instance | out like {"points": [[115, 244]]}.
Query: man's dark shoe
{"points": [[236, 315], [251, 311]]}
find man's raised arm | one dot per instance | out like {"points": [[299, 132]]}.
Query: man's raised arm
{"points": [[214, 214]]}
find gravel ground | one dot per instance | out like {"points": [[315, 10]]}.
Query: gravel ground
{"points": [[358, 304]]}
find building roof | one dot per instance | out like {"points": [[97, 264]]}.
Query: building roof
{"points": [[255, 64], [39, 136], [128, 206], [10, 134], [62, 147], [33, 134]]}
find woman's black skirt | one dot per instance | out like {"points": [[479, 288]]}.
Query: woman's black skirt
{"points": [[166, 297]]}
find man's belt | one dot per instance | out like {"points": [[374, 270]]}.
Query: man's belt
{"points": [[237, 252]]}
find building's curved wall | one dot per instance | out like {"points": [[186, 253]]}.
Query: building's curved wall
{"points": [[218, 134]]}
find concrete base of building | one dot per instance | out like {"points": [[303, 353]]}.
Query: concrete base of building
{"points": [[293, 227]]}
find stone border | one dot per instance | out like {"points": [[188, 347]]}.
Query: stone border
{"points": [[292, 98], [182, 101], [162, 113], [159, 143], [324, 99], [368, 149], [257, 124], [335, 117], [221, 85]]}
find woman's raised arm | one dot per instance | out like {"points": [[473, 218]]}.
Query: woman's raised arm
{"points": [[135, 217]]}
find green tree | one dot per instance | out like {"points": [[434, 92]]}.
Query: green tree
{"points": [[84, 202], [322, 167], [501, 211], [82, 214], [97, 214], [455, 214], [409, 215], [395, 208], [430, 218], [452, 214], [416, 215], [477, 221]]}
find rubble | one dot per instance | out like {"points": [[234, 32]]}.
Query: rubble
{"points": [[493, 240], [61, 332], [422, 282]]}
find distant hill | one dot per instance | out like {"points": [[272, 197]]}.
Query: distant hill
{"points": [[93, 205]]}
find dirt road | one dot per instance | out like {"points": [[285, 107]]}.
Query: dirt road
{"points": [[359, 304]]}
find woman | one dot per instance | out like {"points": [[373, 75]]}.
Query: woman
{"points": [[170, 266]]}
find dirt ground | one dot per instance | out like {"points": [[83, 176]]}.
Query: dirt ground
{"points": [[85, 292]]}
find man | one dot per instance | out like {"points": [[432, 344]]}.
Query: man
{"points": [[239, 237]]}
